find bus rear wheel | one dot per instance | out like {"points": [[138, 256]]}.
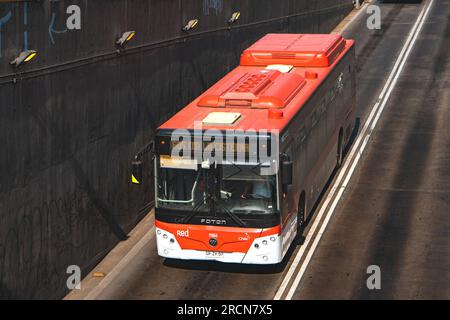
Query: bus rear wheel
{"points": [[301, 219]]}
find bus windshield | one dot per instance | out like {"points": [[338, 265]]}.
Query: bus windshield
{"points": [[239, 189], [244, 190]]}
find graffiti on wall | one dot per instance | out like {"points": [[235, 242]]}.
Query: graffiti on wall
{"points": [[3, 20], [37, 247], [212, 7], [72, 21]]}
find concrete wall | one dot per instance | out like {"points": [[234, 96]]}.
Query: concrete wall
{"points": [[71, 120]]}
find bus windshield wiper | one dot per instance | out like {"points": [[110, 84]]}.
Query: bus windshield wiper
{"points": [[194, 212], [212, 200], [236, 219]]}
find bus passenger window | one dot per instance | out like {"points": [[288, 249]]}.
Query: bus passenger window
{"points": [[314, 118], [322, 108], [340, 83], [332, 94], [302, 136]]}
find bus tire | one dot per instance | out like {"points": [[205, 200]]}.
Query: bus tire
{"points": [[340, 151], [301, 219]]}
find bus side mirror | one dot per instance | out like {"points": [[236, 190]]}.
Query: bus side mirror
{"points": [[136, 165], [136, 172], [286, 172]]}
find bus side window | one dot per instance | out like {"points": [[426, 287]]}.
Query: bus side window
{"points": [[322, 107], [314, 118], [300, 140], [288, 202], [331, 95], [341, 82], [340, 93], [302, 136]]}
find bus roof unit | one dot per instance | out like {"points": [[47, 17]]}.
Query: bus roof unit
{"points": [[299, 50], [271, 89]]}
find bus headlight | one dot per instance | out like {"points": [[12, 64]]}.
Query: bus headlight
{"points": [[264, 250]]}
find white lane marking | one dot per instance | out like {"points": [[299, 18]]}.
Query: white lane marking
{"points": [[112, 275], [366, 133], [308, 238]]}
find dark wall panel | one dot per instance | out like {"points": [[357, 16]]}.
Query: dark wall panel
{"points": [[71, 121]]}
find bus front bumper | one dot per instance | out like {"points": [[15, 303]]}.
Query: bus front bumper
{"points": [[264, 250]]}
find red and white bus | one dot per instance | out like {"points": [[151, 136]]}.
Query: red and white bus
{"points": [[293, 94]]}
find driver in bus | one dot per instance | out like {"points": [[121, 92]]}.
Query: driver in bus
{"points": [[257, 190]]}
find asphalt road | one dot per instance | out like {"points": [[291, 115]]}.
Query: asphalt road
{"points": [[395, 213]]}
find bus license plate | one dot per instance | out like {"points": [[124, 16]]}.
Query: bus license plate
{"points": [[214, 254]]}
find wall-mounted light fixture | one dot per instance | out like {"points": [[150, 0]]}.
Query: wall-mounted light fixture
{"points": [[234, 17], [23, 58], [190, 25], [125, 38]]}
